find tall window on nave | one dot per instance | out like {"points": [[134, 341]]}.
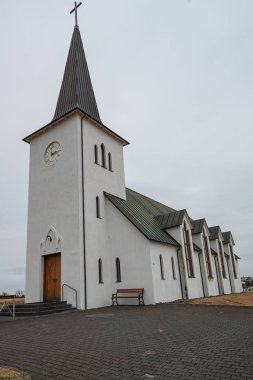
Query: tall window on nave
{"points": [[188, 251]]}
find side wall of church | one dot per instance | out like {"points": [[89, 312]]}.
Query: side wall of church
{"points": [[238, 282], [111, 235], [167, 288], [120, 239], [55, 209]]}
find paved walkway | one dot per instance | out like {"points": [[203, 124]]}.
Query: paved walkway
{"points": [[161, 342]]}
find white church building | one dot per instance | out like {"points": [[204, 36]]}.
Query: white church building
{"points": [[88, 231]]}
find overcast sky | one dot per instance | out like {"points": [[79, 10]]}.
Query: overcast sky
{"points": [[173, 77]]}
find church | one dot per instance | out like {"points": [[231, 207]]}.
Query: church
{"points": [[88, 234]]}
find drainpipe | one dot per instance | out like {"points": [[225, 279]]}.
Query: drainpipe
{"points": [[84, 250]]}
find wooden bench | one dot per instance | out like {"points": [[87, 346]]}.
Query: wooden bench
{"points": [[128, 293]]}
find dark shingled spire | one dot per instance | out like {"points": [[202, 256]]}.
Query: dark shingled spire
{"points": [[76, 89]]}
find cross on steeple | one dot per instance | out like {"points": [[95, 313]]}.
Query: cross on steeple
{"points": [[75, 10]]}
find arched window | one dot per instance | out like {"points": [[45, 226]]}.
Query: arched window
{"points": [[98, 207], [96, 154], [188, 251], [100, 273], [110, 161], [222, 259], [103, 156], [233, 259], [173, 268], [207, 257], [118, 271], [161, 267]]}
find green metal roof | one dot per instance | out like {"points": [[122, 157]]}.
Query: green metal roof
{"points": [[171, 219], [227, 236], [197, 226], [214, 232], [141, 211]]}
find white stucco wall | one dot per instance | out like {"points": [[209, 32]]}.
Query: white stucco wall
{"points": [[236, 283], [225, 280], [55, 201], [167, 289], [197, 239], [120, 239]]}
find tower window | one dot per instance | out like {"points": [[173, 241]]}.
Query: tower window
{"points": [[103, 156], [118, 271], [161, 267], [173, 268], [100, 273], [188, 251], [96, 154], [110, 161], [98, 207]]}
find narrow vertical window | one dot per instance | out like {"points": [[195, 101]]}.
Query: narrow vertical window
{"points": [[207, 257], [96, 154], [118, 271], [222, 259], [100, 273], [110, 161], [98, 207], [173, 268], [188, 251], [233, 260], [103, 157], [161, 267]]}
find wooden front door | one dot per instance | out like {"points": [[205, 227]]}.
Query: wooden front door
{"points": [[52, 278]]}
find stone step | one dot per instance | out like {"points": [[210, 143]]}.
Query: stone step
{"points": [[39, 305], [42, 309]]}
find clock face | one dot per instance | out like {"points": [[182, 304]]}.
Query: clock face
{"points": [[52, 153]]}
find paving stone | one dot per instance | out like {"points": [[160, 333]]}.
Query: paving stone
{"points": [[162, 342]]}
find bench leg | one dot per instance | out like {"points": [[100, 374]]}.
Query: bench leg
{"points": [[114, 301], [141, 300]]}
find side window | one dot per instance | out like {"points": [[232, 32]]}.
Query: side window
{"points": [[100, 273], [96, 154], [233, 259], [207, 257], [173, 268], [118, 270], [103, 156], [98, 207], [188, 251], [161, 267], [110, 161]]}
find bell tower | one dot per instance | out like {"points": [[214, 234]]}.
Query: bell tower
{"points": [[73, 160]]}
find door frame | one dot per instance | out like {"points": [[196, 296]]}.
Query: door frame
{"points": [[43, 278]]}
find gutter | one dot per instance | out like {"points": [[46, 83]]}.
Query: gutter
{"points": [[84, 248]]}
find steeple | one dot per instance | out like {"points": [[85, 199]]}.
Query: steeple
{"points": [[76, 89]]}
